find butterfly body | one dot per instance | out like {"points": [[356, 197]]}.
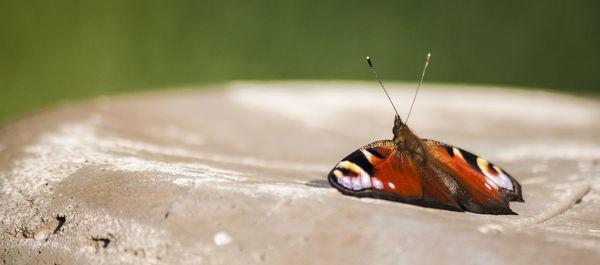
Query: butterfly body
{"points": [[427, 173]]}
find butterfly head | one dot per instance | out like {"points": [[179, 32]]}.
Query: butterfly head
{"points": [[406, 140], [400, 131]]}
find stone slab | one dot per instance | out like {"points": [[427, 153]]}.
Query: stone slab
{"points": [[238, 176]]}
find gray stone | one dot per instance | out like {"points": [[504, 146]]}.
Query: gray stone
{"points": [[238, 176]]}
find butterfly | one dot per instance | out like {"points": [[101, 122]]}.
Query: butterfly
{"points": [[425, 172]]}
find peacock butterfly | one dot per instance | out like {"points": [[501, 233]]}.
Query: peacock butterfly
{"points": [[424, 172]]}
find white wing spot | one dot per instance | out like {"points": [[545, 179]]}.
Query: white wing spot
{"points": [[487, 185], [495, 179], [506, 183], [457, 152], [346, 182], [362, 181], [356, 183], [377, 183], [391, 185], [343, 180], [366, 181], [368, 155]]}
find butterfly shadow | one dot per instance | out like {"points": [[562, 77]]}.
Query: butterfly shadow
{"points": [[318, 183]]}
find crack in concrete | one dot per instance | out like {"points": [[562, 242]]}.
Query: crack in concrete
{"points": [[61, 221], [102, 241]]}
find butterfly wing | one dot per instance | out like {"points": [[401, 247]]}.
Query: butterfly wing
{"points": [[453, 179], [379, 170], [488, 187]]}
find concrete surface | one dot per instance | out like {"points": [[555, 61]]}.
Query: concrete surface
{"points": [[238, 176]]}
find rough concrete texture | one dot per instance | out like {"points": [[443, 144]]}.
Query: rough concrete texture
{"points": [[238, 176]]}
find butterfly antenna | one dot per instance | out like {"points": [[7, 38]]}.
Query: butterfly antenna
{"points": [[418, 86], [381, 84]]}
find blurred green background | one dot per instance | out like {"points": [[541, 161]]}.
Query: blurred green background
{"points": [[62, 50]]}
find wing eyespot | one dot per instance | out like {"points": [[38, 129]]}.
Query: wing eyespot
{"points": [[352, 176]]}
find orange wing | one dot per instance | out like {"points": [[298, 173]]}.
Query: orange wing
{"points": [[379, 170], [489, 187]]}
